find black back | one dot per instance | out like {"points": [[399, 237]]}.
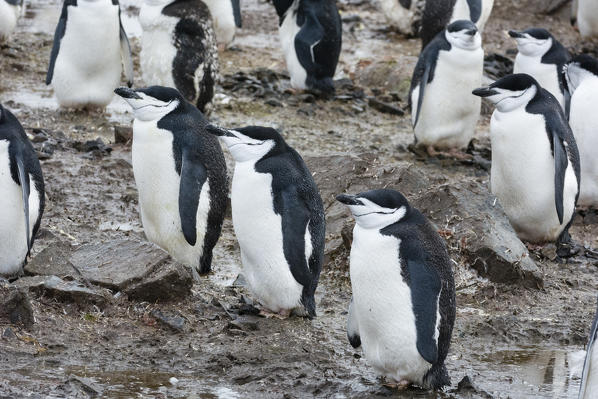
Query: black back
{"points": [[437, 15], [586, 62], [23, 163], [196, 48], [282, 6], [426, 269], [198, 157], [589, 348], [297, 200]]}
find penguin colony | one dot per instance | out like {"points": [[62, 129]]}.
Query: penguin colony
{"points": [[403, 307]]}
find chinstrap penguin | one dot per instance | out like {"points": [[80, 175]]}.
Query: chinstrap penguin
{"points": [[178, 48], [22, 195], [542, 56], [278, 219], [588, 388], [443, 111], [582, 82], [403, 306], [180, 174], [10, 11], [311, 39], [535, 169], [585, 14], [226, 16], [440, 13], [90, 48]]}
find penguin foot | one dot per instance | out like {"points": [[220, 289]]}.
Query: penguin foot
{"points": [[282, 315], [567, 250]]}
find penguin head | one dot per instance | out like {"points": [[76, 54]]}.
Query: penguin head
{"points": [[510, 92], [533, 42], [376, 209], [578, 69], [250, 143], [463, 34], [151, 103]]}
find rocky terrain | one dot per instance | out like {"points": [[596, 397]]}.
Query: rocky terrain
{"points": [[101, 312]]}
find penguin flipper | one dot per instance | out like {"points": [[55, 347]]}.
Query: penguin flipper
{"points": [[422, 89], [193, 176], [237, 13], [353, 327], [560, 167], [425, 287], [588, 360], [58, 35], [25, 188], [309, 36], [125, 52]]}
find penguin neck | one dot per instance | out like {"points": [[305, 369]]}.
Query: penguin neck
{"points": [[510, 104]]}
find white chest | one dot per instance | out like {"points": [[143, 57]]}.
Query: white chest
{"points": [[287, 32], [8, 19], [383, 308], [545, 74], [259, 232], [157, 46]]}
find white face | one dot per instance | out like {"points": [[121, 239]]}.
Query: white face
{"points": [[463, 40], [575, 75], [149, 109], [508, 100], [244, 148], [373, 216], [532, 47]]}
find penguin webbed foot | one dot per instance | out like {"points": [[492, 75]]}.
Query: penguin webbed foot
{"points": [[565, 247]]}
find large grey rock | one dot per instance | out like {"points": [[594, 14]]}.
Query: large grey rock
{"points": [[69, 291], [117, 264], [15, 306], [53, 261], [171, 281]]}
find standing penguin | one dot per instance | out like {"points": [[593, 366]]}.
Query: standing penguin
{"points": [[180, 174], [311, 39], [588, 388], [400, 13], [403, 306], [585, 14], [543, 57], [178, 48], [85, 63], [10, 11], [582, 82], [439, 13], [278, 218], [443, 111], [226, 15], [535, 162], [22, 195]]}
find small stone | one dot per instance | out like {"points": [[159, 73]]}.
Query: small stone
{"points": [[8, 333], [385, 108], [244, 323], [15, 306], [69, 291], [170, 282], [173, 381], [175, 323]]}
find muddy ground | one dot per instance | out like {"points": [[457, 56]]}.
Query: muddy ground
{"points": [[511, 340]]}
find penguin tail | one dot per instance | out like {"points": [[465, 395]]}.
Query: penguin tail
{"points": [[437, 377]]}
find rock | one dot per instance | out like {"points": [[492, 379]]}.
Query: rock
{"points": [[123, 134], [244, 323], [8, 333], [79, 387], [240, 281], [497, 66], [15, 306], [175, 323], [388, 74], [169, 282], [477, 223], [117, 264], [96, 148], [467, 389], [385, 108], [53, 261], [69, 291]]}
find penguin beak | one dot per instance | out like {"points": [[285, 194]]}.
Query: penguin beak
{"points": [[484, 92], [127, 94], [471, 32], [217, 131], [516, 35], [348, 199]]}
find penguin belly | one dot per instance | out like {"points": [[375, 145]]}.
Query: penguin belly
{"points": [[449, 112], [88, 66], [157, 46], [587, 18], [583, 121], [287, 31], [592, 378], [259, 232], [13, 241], [461, 11], [522, 176], [9, 15], [158, 186], [546, 74], [397, 16], [383, 308], [223, 19]]}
